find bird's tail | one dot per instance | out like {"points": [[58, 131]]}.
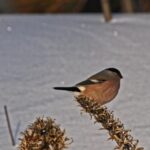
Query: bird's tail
{"points": [[73, 88]]}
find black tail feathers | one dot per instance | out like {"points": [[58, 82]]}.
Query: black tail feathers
{"points": [[73, 88]]}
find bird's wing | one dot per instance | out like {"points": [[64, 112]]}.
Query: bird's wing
{"points": [[91, 81]]}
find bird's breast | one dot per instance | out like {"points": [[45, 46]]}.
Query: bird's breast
{"points": [[102, 92]]}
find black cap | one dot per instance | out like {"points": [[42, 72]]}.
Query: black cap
{"points": [[116, 71]]}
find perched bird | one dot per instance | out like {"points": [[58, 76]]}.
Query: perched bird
{"points": [[102, 87]]}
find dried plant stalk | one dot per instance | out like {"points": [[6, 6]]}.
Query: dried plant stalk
{"points": [[44, 134], [115, 128]]}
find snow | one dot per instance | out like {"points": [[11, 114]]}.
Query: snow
{"points": [[38, 52]]}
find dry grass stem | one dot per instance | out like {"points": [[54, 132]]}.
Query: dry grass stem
{"points": [[115, 128]]}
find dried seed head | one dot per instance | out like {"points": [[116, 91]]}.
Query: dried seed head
{"points": [[44, 134]]}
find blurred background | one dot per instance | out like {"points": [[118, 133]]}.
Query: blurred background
{"points": [[70, 6]]}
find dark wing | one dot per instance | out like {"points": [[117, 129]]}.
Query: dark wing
{"points": [[90, 81]]}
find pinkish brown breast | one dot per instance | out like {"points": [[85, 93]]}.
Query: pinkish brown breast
{"points": [[102, 92]]}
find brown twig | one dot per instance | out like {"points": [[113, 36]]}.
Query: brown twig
{"points": [[9, 126]]}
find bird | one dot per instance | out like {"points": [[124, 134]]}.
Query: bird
{"points": [[101, 87]]}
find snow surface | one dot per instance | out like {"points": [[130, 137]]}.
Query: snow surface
{"points": [[38, 52]]}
